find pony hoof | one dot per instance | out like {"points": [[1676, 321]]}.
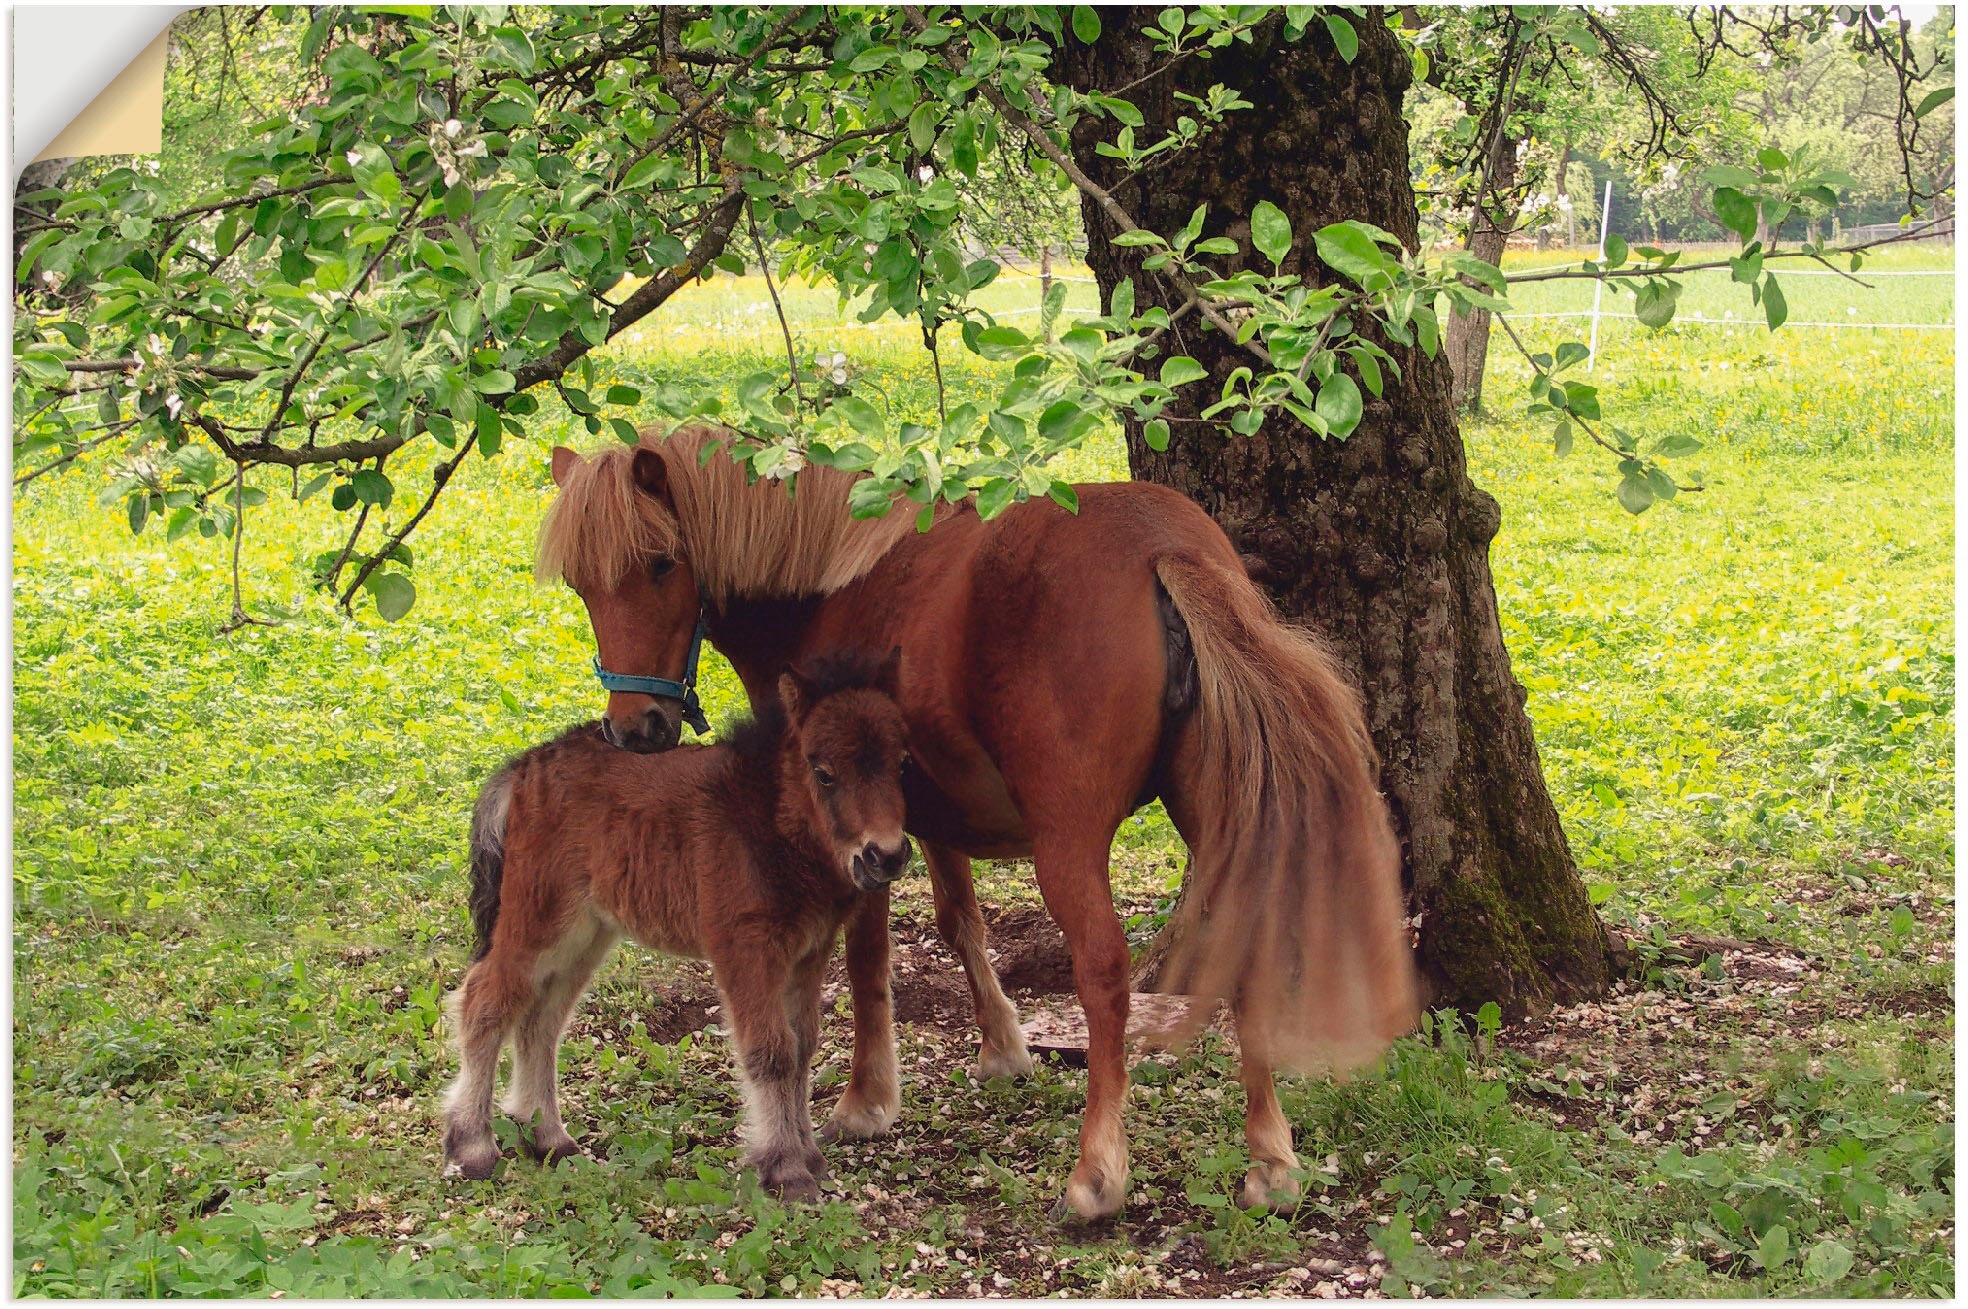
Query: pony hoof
{"points": [[1270, 1186], [1004, 1063], [1093, 1199], [856, 1122]]}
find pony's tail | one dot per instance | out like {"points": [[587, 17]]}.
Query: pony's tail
{"points": [[488, 857], [1293, 911]]}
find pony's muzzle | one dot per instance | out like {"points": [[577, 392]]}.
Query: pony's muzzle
{"points": [[873, 867], [653, 731]]}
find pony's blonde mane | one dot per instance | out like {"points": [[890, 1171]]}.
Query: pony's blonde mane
{"points": [[742, 541]]}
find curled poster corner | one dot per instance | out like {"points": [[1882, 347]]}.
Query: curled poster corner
{"points": [[88, 80]]}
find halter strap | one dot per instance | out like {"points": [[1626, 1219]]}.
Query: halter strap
{"points": [[664, 688]]}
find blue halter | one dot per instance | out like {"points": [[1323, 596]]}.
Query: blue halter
{"points": [[662, 687]]}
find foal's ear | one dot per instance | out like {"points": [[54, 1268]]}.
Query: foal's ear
{"points": [[563, 464], [651, 477], [795, 693], [888, 674]]}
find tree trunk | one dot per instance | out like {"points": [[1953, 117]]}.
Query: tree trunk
{"points": [[1380, 542], [1468, 335]]}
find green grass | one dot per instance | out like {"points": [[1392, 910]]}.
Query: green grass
{"points": [[239, 892]]}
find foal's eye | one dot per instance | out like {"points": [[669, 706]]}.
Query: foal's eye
{"points": [[823, 775], [662, 568]]}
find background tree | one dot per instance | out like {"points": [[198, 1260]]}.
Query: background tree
{"points": [[460, 206]]}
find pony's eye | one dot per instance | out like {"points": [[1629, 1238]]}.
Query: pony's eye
{"points": [[823, 775], [662, 568]]}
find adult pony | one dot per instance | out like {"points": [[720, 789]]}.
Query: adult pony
{"points": [[1060, 670]]}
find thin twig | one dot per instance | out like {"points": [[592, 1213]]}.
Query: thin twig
{"points": [[765, 268], [240, 618], [1564, 274], [76, 453], [1583, 425], [1116, 214], [375, 561]]}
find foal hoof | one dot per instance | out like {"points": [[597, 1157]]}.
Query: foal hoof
{"points": [[472, 1167], [555, 1153], [1270, 1186], [793, 1188]]}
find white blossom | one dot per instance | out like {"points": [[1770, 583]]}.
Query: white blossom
{"points": [[452, 127], [174, 403], [354, 158]]}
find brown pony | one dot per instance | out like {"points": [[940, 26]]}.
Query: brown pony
{"points": [[1062, 670], [750, 853]]}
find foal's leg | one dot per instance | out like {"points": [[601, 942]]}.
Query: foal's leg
{"points": [[1072, 875], [562, 975], [958, 922], [874, 1088], [803, 1015], [1270, 1182], [495, 993], [754, 980]]}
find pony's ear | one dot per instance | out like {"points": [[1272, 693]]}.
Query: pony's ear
{"points": [[563, 464], [651, 477], [888, 674], [795, 693]]}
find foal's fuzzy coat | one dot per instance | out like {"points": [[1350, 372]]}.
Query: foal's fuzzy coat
{"points": [[750, 853]]}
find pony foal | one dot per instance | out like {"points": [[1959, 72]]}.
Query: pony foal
{"points": [[750, 853]]}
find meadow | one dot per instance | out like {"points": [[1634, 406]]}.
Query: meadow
{"points": [[239, 893]]}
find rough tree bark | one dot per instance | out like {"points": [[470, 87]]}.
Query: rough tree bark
{"points": [[1381, 542]]}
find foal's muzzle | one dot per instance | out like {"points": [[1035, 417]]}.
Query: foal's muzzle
{"points": [[873, 867], [657, 729]]}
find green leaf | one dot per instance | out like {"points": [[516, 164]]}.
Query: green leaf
{"points": [[1634, 493], [922, 124], [1775, 310], [1065, 496], [1180, 370], [861, 415], [1340, 404], [1676, 445], [139, 506], [1345, 39], [372, 486], [619, 394], [1156, 435], [996, 495], [1730, 175], [1772, 159], [1349, 249], [490, 431], [1653, 303], [394, 594], [1773, 1251], [1086, 24], [1615, 250], [1828, 1260], [1271, 232], [1934, 100], [1736, 210], [1133, 236], [1561, 438]]}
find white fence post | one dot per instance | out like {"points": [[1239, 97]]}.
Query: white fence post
{"points": [[1599, 287]]}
